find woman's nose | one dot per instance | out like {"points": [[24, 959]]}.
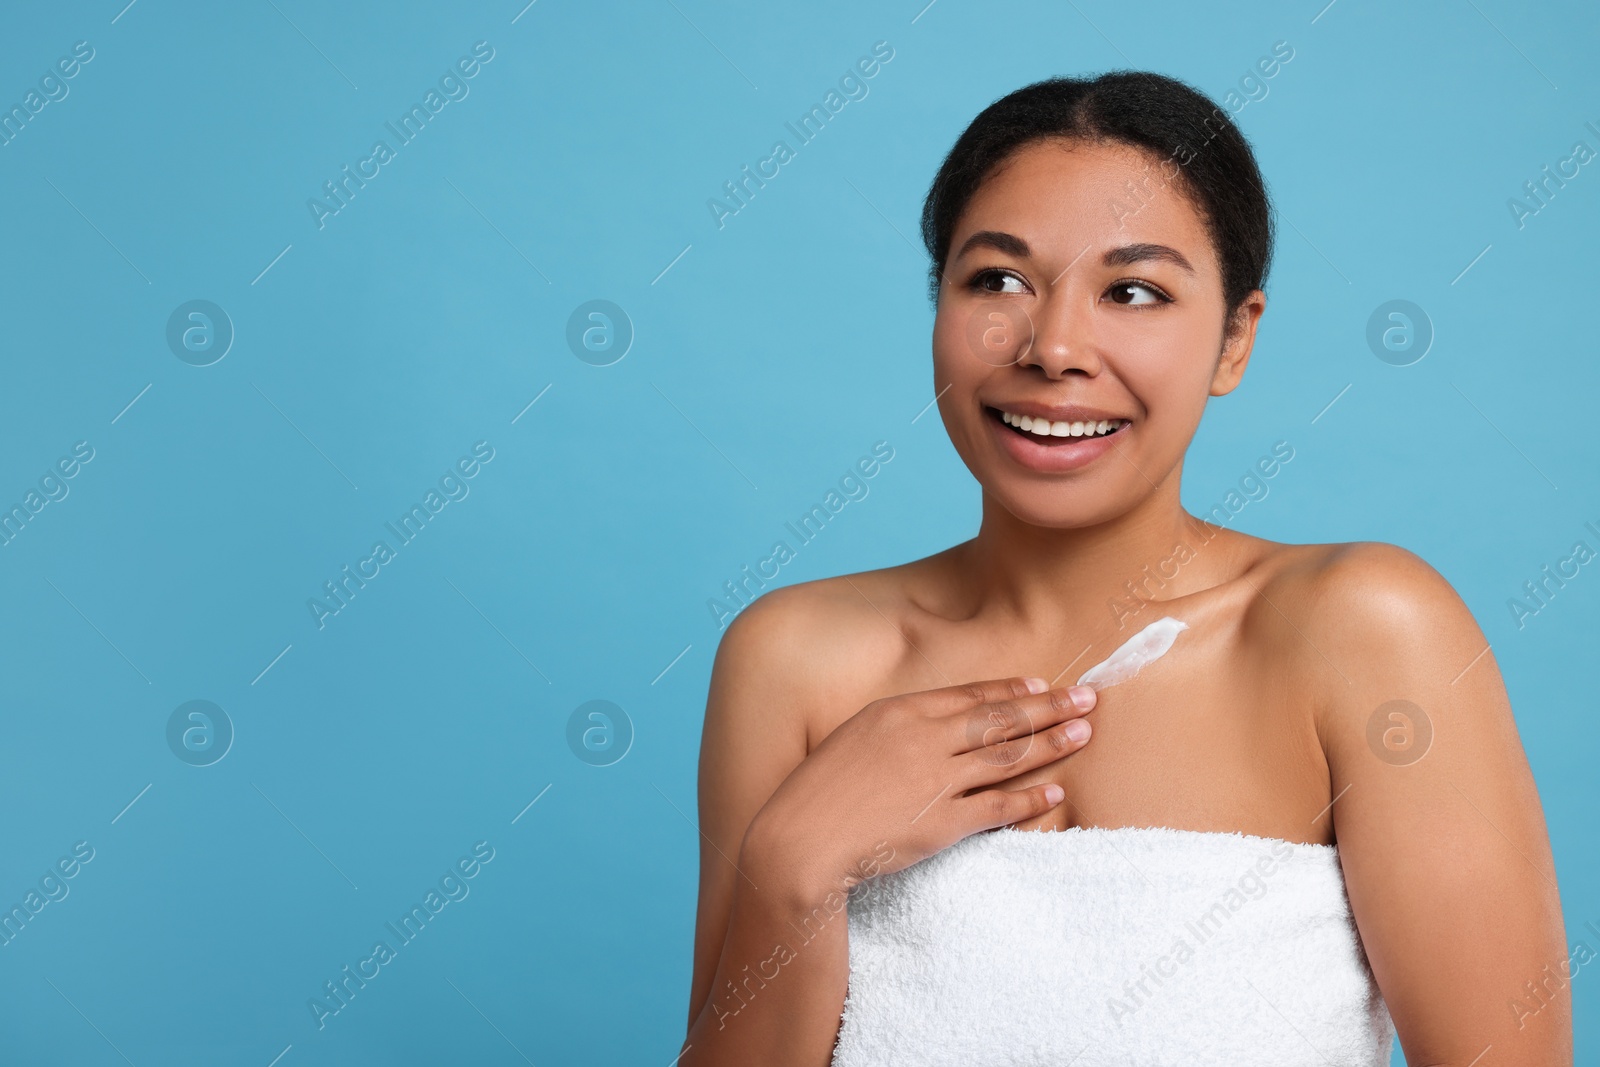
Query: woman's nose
{"points": [[1063, 336]]}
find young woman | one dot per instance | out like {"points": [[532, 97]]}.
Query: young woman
{"points": [[1305, 824]]}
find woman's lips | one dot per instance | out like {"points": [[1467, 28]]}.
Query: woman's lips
{"points": [[1048, 454]]}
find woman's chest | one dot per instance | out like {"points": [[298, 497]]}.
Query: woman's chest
{"points": [[1192, 753], [1210, 734]]}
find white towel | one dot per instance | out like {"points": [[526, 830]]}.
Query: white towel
{"points": [[1091, 947]]}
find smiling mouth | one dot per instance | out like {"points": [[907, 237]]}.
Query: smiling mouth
{"points": [[1045, 432]]}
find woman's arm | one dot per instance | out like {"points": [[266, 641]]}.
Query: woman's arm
{"points": [[779, 1009], [788, 828], [1441, 835]]}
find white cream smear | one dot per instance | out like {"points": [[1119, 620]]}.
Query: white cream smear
{"points": [[1137, 653]]}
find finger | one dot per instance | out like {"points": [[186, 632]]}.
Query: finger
{"points": [[1002, 807], [969, 695], [1019, 755], [1003, 720]]}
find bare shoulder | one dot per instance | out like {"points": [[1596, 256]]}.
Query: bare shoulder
{"points": [[1367, 610], [818, 649], [1380, 583], [825, 615], [1372, 592], [1380, 580]]}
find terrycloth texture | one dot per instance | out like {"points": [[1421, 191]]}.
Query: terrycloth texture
{"points": [[1132, 946]]}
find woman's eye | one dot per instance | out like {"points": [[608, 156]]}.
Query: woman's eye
{"points": [[998, 281], [1125, 293]]}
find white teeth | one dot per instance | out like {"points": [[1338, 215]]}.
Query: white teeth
{"points": [[1044, 427]]}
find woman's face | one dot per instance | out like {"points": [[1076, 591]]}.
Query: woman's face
{"points": [[1071, 301]]}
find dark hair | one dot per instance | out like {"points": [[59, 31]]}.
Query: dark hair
{"points": [[1202, 151]]}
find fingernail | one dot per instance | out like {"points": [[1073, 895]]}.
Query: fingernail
{"points": [[1037, 685], [1077, 729], [1054, 793], [1083, 696]]}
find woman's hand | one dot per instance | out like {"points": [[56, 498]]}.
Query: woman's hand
{"points": [[894, 777]]}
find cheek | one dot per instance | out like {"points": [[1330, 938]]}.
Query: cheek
{"points": [[1173, 393], [950, 363], [957, 376], [971, 342], [1171, 366]]}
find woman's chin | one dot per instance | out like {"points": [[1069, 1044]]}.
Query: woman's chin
{"points": [[1061, 509]]}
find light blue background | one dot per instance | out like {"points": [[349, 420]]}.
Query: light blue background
{"points": [[430, 311]]}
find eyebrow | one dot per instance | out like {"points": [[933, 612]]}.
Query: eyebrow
{"points": [[1122, 256]]}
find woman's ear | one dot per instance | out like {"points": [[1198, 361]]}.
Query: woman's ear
{"points": [[1238, 338]]}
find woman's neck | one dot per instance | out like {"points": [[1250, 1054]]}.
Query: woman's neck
{"points": [[1049, 578]]}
